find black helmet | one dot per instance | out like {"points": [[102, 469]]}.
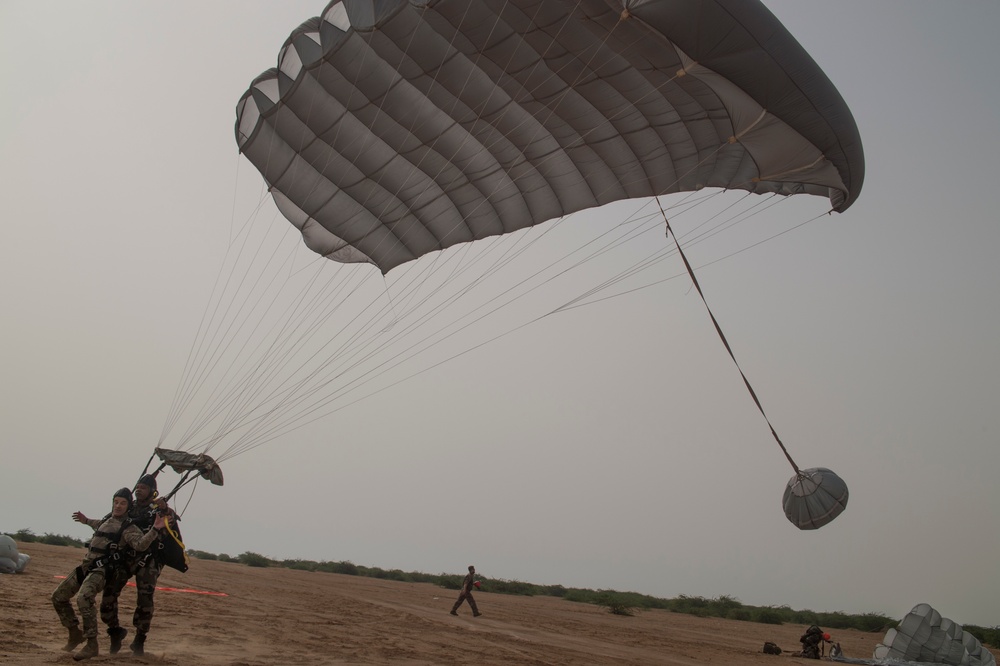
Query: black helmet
{"points": [[126, 493], [147, 480]]}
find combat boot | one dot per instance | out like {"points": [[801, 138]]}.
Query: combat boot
{"points": [[89, 650], [138, 643], [117, 635], [75, 638]]}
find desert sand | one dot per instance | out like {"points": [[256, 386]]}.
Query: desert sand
{"points": [[281, 616]]}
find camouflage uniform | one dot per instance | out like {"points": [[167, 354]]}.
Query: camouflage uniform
{"points": [[144, 565], [466, 594], [811, 642], [85, 582]]}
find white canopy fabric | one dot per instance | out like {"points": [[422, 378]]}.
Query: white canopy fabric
{"points": [[11, 561], [923, 636]]}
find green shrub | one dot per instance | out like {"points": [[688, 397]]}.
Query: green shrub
{"points": [[616, 604], [741, 614], [873, 622], [554, 591], [348, 568], [580, 596], [226, 558], [60, 540], [299, 565], [201, 555], [806, 617], [510, 587], [768, 615], [27, 536], [253, 560], [986, 636]]}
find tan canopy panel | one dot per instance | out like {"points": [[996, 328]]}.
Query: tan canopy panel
{"points": [[394, 128]]}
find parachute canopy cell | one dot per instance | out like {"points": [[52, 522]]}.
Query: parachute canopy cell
{"points": [[182, 461], [11, 561], [924, 636], [393, 128], [814, 497]]}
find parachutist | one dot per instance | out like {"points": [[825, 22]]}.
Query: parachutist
{"points": [[112, 534], [144, 564]]}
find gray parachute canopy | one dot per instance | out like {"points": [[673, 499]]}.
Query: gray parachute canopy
{"points": [[924, 637], [11, 561], [394, 128]]}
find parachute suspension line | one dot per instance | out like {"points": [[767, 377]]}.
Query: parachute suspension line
{"points": [[655, 258], [288, 424], [388, 295], [371, 375], [298, 420], [393, 362], [722, 336], [221, 337], [188, 385], [254, 410], [771, 237], [185, 479], [145, 470], [423, 343], [190, 497], [267, 428]]}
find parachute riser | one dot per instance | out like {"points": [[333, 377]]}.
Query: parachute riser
{"points": [[718, 329]]}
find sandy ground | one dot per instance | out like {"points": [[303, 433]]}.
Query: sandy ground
{"points": [[280, 616]]}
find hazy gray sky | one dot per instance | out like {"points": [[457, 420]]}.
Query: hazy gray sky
{"points": [[611, 446]]}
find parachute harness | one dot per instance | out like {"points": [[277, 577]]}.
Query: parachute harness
{"points": [[722, 336]]}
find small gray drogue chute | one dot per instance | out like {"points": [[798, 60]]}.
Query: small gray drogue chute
{"points": [[10, 560], [814, 497]]}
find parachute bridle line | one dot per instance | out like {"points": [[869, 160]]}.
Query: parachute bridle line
{"points": [[722, 336]]}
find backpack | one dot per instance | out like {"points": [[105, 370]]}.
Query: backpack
{"points": [[771, 648]]}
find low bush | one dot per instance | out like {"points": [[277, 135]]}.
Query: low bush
{"points": [[618, 603], [253, 560], [769, 615], [27, 536]]}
